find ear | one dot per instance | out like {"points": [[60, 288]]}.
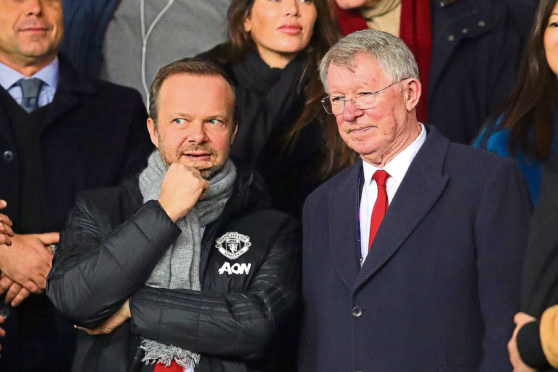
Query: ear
{"points": [[413, 90], [152, 129], [235, 130], [247, 24]]}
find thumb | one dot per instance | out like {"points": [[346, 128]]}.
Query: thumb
{"points": [[49, 238]]}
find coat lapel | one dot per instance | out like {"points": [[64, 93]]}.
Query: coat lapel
{"points": [[71, 85], [420, 189], [343, 228]]}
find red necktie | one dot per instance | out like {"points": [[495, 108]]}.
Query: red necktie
{"points": [[174, 367], [380, 206]]}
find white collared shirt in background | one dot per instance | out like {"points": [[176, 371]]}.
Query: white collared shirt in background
{"points": [[396, 168], [48, 74]]}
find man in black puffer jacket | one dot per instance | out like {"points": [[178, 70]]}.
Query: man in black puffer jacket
{"points": [[184, 268]]}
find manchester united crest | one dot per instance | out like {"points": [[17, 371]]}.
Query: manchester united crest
{"points": [[233, 245]]}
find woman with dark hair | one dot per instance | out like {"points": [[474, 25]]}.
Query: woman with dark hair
{"points": [[526, 128], [273, 53]]}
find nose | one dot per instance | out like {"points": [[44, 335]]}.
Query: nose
{"points": [[33, 7], [291, 7], [196, 133], [350, 111]]}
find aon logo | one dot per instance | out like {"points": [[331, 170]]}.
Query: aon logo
{"points": [[237, 268]]}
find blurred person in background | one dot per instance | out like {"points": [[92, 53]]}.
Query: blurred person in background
{"points": [[468, 52], [534, 345], [526, 127], [60, 133], [272, 54], [127, 41]]}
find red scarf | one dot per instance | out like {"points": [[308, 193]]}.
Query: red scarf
{"points": [[415, 30]]}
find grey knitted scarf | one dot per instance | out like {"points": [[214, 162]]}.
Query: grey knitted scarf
{"points": [[179, 266]]}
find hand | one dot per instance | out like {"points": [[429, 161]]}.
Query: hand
{"points": [[15, 293], [520, 320], [111, 323], [28, 260], [6, 231], [182, 187]]}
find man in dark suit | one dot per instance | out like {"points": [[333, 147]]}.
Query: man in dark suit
{"points": [[411, 256], [59, 133]]}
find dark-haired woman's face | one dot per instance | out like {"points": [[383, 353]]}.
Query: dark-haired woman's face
{"points": [[281, 28], [551, 40]]}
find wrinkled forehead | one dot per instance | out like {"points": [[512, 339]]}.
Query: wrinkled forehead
{"points": [[362, 70]]}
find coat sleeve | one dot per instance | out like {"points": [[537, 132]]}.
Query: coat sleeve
{"points": [[239, 325], [501, 227], [94, 272]]}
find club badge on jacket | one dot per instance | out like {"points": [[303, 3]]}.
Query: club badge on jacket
{"points": [[233, 245]]}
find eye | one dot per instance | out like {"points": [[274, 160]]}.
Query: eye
{"points": [[179, 121], [216, 122], [364, 94], [336, 99], [553, 24], [306, 1]]}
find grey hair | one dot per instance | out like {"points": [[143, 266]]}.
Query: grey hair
{"points": [[389, 51]]}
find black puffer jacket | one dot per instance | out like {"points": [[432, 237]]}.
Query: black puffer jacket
{"points": [[246, 305]]}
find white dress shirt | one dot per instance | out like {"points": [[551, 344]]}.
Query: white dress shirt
{"points": [[396, 168], [48, 75]]}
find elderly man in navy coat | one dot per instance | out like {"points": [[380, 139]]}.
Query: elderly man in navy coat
{"points": [[412, 256]]}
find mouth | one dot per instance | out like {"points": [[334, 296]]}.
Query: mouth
{"points": [[197, 156], [291, 29], [34, 30], [360, 130]]}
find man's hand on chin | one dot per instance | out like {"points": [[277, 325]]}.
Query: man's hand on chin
{"points": [[182, 187]]}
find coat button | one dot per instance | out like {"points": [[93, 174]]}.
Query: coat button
{"points": [[358, 370], [481, 23], [357, 311], [451, 38], [8, 156]]}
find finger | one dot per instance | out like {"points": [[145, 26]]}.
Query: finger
{"points": [[5, 239], [3, 204], [12, 292], [5, 220], [33, 287], [6, 229], [90, 331], [22, 295], [49, 238], [2, 333], [5, 283]]}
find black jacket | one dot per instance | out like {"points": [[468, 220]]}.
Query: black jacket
{"points": [[476, 49], [113, 241], [268, 102], [540, 270]]}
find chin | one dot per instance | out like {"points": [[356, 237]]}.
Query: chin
{"points": [[349, 4]]}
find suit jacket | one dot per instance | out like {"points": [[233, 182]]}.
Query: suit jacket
{"points": [[440, 286], [93, 135]]}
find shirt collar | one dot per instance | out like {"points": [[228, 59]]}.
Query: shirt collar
{"points": [[48, 74], [398, 166]]}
